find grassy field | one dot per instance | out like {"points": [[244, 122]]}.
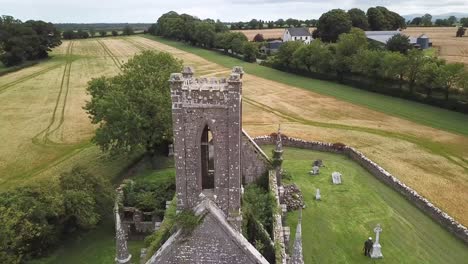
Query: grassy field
{"points": [[410, 140], [335, 228]]}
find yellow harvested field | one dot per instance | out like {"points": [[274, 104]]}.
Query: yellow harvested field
{"points": [[267, 33], [448, 46], [392, 142], [46, 128]]}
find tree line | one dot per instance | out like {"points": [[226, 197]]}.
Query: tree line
{"points": [[393, 70], [36, 217], [204, 33], [26, 41], [427, 21], [280, 23], [340, 53], [337, 21], [91, 33]]}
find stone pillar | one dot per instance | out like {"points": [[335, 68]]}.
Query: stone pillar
{"points": [[278, 156], [122, 254], [234, 149]]}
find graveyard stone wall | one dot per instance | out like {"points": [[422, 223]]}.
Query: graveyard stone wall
{"points": [[380, 173]]}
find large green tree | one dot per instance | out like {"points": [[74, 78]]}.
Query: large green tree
{"points": [[394, 66], [284, 56], [315, 57], [400, 43], [452, 76], [347, 46], [25, 41], [358, 18], [133, 109], [332, 24]]}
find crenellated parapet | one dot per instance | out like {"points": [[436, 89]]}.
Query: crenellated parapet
{"points": [[193, 92]]}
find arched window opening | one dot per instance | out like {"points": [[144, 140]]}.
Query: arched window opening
{"points": [[207, 159]]}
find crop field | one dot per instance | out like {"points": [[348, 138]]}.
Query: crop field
{"points": [[42, 121], [347, 214], [448, 46], [433, 161]]}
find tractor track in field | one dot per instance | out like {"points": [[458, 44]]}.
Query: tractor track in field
{"points": [[437, 148], [5, 87], [139, 46], [110, 54], [61, 97]]}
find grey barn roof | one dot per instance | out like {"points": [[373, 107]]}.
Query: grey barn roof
{"points": [[298, 32], [384, 36]]}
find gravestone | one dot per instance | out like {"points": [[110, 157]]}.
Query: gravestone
{"points": [[377, 248], [317, 195], [315, 170], [318, 163], [336, 177]]}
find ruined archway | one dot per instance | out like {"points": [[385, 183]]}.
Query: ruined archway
{"points": [[207, 159]]}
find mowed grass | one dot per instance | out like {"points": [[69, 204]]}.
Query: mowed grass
{"points": [[335, 228], [416, 112]]}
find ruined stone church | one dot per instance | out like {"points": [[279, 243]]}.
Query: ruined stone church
{"points": [[214, 157]]}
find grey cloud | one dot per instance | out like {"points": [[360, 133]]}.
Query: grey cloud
{"points": [[226, 10]]}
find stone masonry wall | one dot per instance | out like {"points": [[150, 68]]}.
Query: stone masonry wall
{"points": [[420, 202], [255, 163]]}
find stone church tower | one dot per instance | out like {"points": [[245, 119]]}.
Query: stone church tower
{"points": [[207, 124], [208, 152]]}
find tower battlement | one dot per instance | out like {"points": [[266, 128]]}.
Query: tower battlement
{"points": [[189, 91]]}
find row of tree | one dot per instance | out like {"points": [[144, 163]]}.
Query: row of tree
{"points": [[81, 34], [426, 21], [30, 40], [205, 33], [280, 23], [352, 57], [35, 217], [337, 21]]}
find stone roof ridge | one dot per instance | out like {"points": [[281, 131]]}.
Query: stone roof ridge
{"points": [[298, 32], [255, 145], [208, 206], [297, 257], [386, 32]]}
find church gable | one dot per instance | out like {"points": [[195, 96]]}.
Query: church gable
{"points": [[213, 241]]}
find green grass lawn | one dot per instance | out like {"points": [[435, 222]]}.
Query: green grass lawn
{"points": [[98, 245], [417, 112], [334, 229]]}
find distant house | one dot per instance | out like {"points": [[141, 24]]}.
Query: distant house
{"points": [[297, 34], [381, 37], [271, 47]]}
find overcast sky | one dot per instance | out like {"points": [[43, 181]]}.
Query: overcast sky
{"points": [[88, 11]]}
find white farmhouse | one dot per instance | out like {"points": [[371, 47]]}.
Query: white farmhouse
{"points": [[297, 34]]}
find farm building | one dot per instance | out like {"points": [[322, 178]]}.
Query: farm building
{"points": [[271, 47], [422, 42], [297, 34]]}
